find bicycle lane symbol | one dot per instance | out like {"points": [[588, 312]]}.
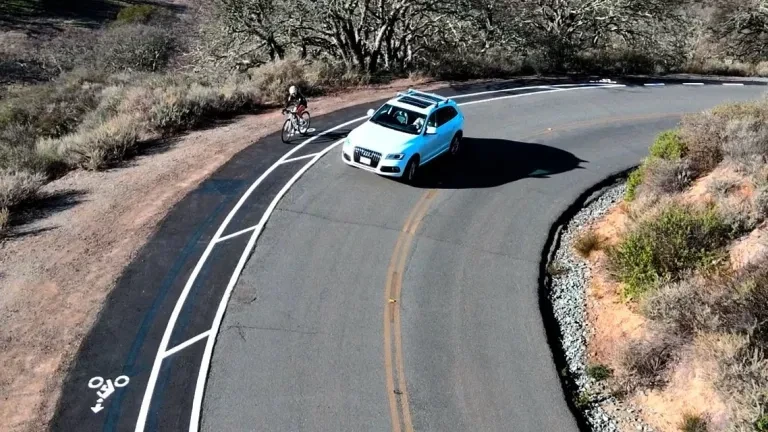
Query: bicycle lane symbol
{"points": [[106, 388]]}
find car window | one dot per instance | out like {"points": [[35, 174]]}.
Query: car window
{"points": [[445, 114], [432, 122], [398, 118]]}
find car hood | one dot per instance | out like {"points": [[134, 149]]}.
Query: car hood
{"points": [[379, 138]]}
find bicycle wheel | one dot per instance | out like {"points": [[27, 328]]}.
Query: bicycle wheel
{"points": [[287, 132], [304, 123]]}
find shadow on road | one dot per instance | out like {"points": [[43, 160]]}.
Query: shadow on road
{"points": [[489, 162]]}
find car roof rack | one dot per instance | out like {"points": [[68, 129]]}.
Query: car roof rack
{"points": [[428, 98]]}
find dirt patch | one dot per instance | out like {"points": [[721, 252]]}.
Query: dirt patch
{"points": [[58, 270]]}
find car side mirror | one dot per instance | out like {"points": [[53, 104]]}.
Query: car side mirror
{"points": [[431, 130], [371, 112]]}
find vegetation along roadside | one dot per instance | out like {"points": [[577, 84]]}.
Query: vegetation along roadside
{"points": [[679, 277], [87, 84]]}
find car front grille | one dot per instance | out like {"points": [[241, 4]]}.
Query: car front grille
{"points": [[375, 157]]}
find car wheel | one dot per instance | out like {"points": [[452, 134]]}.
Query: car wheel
{"points": [[410, 169], [455, 145]]}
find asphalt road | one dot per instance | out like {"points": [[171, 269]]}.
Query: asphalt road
{"points": [[311, 340]]}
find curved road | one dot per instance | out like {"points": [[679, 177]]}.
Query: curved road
{"points": [[372, 305], [357, 303]]}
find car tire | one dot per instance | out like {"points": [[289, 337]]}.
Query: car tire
{"points": [[455, 146], [411, 169]]}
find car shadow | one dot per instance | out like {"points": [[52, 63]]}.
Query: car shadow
{"points": [[490, 162]]}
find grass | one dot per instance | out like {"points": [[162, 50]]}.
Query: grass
{"points": [[586, 242], [761, 424], [634, 180], [647, 362], [599, 372], [693, 423], [661, 248]]}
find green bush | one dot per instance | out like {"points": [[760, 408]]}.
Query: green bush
{"points": [[668, 146], [142, 14], [634, 180], [761, 425], [599, 372], [659, 249]]}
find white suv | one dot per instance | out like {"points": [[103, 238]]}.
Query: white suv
{"points": [[405, 133]]}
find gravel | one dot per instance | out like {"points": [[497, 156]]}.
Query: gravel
{"points": [[569, 276]]}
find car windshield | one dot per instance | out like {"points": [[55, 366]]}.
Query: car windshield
{"points": [[399, 119]]}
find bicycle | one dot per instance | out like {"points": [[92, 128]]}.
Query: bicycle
{"points": [[295, 124]]}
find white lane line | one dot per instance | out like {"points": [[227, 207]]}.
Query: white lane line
{"points": [[233, 235], [181, 346], [693, 84], [543, 87], [194, 422], [206, 361], [654, 84], [558, 90], [733, 84], [298, 158], [148, 392]]}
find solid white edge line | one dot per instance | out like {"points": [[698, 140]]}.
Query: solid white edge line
{"points": [[298, 158], [149, 391], [183, 345], [589, 85], [233, 235], [194, 423], [558, 90], [208, 353]]}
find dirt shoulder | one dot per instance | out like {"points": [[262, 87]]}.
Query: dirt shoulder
{"points": [[58, 269]]}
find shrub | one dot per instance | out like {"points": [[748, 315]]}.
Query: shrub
{"points": [[762, 70], [4, 220], [702, 134], [142, 14], [647, 361], [104, 146], [721, 187], [659, 249], [685, 306], [761, 202], [668, 146], [633, 182], [585, 242], [693, 423], [746, 139], [599, 372], [135, 47], [49, 110], [18, 187], [761, 424], [272, 80], [667, 176]]}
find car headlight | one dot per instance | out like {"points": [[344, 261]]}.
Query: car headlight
{"points": [[395, 156], [347, 142]]}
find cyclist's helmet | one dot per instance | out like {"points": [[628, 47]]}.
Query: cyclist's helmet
{"points": [[292, 90]]}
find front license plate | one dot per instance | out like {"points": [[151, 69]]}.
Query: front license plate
{"points": [[365, 160]]}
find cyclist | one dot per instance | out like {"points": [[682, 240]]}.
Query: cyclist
{"points": [[295, 98]]}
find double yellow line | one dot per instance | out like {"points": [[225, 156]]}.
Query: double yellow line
{"points": [[393, 341]]}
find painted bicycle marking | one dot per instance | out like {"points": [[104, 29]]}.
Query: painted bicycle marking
{"points": [[106, 388]]}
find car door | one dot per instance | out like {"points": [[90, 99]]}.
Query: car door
{"points": [[431, 145], [446, 121]]}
